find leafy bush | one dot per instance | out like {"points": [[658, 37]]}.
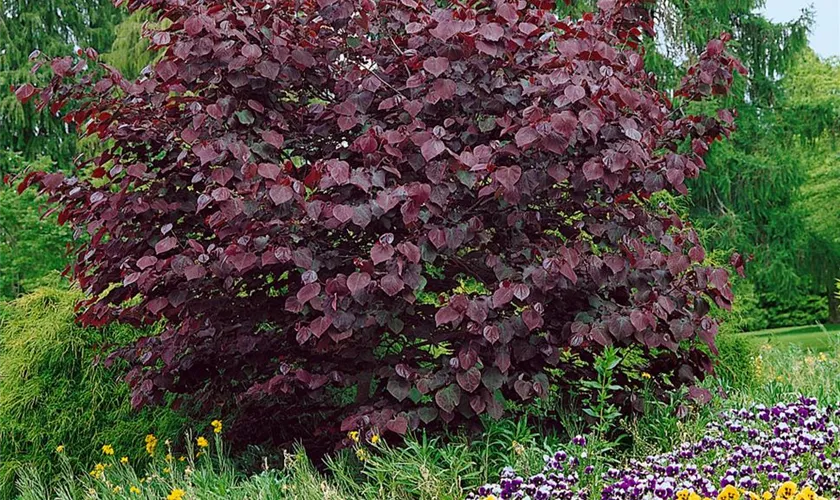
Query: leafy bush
{"points": [[735, 363], [287, 183], [51, 394]]}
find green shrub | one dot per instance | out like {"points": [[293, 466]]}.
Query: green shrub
{"points": [[735, 366], [52, 394]]}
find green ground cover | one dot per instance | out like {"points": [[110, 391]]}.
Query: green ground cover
{"points": [[816, 337]]}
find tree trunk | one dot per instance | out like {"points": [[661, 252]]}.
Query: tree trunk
{"points": [[833, 305]]}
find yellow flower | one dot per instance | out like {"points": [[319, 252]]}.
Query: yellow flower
{"points": [[151, 444], [177, 494], [217, 426], [124, 460], [168, 457], [490, 497], [117, 489], [167, 470], [135, 490], [786, 491], [729, 493], [182, 458], [683, 494], [766, 495], [693, 496], [362, 454], [823, 357], [98, 471], [374, 439], [59, 448], [108, 449], [645, 375], [198, 455], [806, 494], [354, 436], [202, 442]]}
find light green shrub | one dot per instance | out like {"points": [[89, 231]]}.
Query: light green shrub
{"points": [[735, 364], [52, 393]]}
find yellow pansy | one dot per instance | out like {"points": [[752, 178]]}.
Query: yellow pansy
{"points": [[806, 494], [729, 493], [786, 491]]}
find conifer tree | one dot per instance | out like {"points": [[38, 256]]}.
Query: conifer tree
{"points": [[55, 28]]}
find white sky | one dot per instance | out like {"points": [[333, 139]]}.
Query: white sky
{"points": [[825, 36]]}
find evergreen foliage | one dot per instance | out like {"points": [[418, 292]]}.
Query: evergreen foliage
{"points": [[52, 393], [53, 27], [749, 200], [31, 246]]}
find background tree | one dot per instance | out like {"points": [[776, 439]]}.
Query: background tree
{"points": [[812, 120], [54, 27]]}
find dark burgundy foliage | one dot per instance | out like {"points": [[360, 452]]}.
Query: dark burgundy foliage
{"points": [[277, 186]]}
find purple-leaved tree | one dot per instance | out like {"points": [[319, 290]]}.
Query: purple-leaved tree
{"points": [[300, 188]]}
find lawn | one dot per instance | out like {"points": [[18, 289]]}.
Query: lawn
{"points": [[814, 337]]}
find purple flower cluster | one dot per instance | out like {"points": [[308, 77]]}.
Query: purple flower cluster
{"points": [[754, 449]]}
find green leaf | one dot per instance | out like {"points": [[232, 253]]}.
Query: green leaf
{"points": [[245, 116]]}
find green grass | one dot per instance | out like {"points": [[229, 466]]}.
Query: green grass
{"points": [[782, 364], [815, 337]]}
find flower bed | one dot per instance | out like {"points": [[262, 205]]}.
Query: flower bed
{"points": [[788, 452]]}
